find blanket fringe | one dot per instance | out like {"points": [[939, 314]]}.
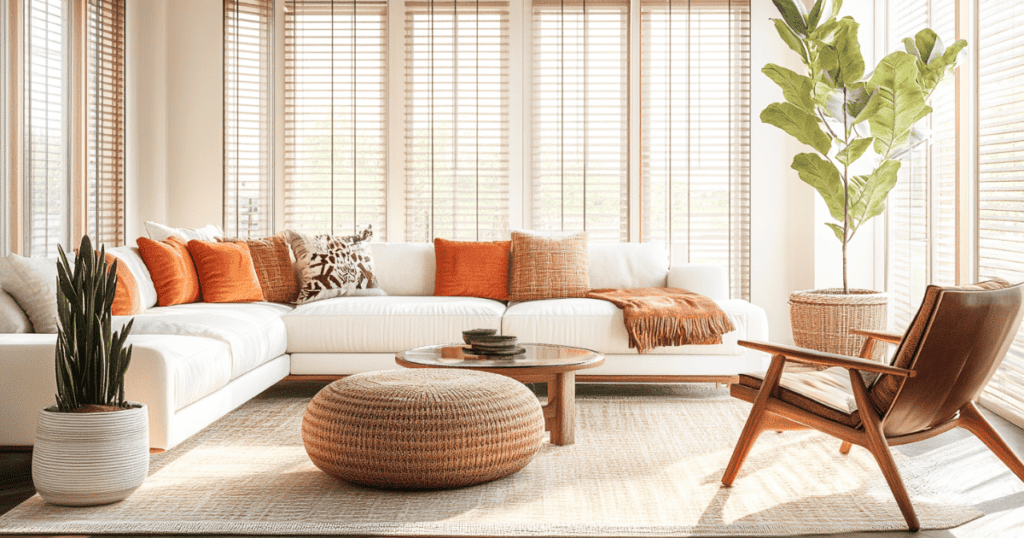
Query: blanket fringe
{"points": [[648, 333]]}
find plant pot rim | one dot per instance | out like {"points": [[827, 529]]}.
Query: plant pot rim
{"points": [[132, 406], [835, 296]]}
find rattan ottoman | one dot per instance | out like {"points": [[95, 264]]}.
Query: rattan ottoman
{"points": [[423, 429]]}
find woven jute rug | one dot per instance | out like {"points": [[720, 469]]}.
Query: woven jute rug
{"points": [[641, 466]]}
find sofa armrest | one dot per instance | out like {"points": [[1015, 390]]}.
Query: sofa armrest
{"points": [[705, 279], [29, 384]]}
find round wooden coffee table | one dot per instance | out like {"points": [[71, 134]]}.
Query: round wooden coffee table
{"points": [[542, 363]]}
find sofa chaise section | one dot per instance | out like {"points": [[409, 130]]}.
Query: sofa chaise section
{"points": [[184, 380]]}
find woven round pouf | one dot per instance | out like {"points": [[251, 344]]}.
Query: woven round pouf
{"points": [[423, 428]]}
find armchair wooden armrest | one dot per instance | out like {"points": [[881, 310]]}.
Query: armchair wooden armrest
{"points": [[881, 336], [821, 358]]}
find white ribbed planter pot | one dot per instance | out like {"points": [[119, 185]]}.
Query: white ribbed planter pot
{"points": [[85, 459]]}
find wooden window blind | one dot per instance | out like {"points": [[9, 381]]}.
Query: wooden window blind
{"points": [[921, 217], [105, 87], [46, 157], [456, 119], [248, 135], [581, 117], [336, 116], [1001, 177], [695, 132]]}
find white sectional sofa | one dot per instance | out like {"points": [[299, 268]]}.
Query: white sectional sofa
{"points": [[194, 363]]}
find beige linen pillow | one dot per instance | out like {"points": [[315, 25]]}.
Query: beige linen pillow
{"points": [[12, 317], [548, 266], [33, 283]]}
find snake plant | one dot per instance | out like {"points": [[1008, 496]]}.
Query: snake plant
{"points": [[91, 360], [841, 112]]}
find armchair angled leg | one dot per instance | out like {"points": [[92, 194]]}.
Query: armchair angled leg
{"points": [[756, 422], [972, 420], [845, 447], [879, 448]]}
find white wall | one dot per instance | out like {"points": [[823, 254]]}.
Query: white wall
{"points": [[146, 103], [179, 123]]}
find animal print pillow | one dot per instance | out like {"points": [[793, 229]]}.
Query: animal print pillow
{"points": [[331, 266]]}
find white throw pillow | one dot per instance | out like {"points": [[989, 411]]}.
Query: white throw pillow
{"points": [[131, 257], [12, 317], [159, 232], [33, 283]]}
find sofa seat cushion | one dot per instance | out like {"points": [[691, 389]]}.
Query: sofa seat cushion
{"points": [[598, 325], [386, 324], [253, 332], [200, 366], [826, 393]]}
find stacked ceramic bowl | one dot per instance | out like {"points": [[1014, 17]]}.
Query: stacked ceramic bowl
{"points": [[485, 342]]}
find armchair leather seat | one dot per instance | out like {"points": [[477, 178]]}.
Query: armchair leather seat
{"points": [[826, 393]]}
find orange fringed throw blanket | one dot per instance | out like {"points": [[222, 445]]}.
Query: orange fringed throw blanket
{"points": [[667, 317]]}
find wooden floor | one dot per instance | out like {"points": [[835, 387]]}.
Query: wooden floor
{"points": [[1002, 521]]}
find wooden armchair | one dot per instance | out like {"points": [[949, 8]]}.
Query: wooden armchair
{"points": [[952, 348]]}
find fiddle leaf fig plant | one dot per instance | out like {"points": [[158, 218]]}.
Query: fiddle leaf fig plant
{"points": [[842, 112]]}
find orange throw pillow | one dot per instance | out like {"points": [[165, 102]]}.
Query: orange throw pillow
{"points": [[127, 296], [226, 272], [174, 274], [469, 269]]}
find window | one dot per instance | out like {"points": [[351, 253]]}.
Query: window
{"points": [[456, 120], [581, 117], [105, 122], [921, 207], [248, 143], [46, 155], [336, 116], [695, 133], [1000, 232]]}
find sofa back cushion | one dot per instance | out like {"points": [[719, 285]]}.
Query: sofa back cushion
{"points": [[405, 269], [409, 268], [627, 265]]}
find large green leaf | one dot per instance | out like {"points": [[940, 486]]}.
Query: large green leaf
{"points": [[837, 229], [814, 15], [854, 151], [928, 45], [796, 88], [791, 39], [798, 123], [934, 71], [794, 13], [868, 193], [821, 8], [901, 101], [824, 177], [847, 45]]}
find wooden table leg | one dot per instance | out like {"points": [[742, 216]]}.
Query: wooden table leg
{"points": [[562, 401]]}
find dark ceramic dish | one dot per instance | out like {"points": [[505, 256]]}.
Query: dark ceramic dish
{"points": [[468, 336]]}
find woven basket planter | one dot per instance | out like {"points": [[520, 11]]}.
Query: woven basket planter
{"points": [[822, 319], [86, 459], [423, 428]]}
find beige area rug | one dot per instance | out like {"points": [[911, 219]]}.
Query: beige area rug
{"points": [[641, 466]]}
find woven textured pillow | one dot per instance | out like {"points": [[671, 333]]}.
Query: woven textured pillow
{"points": [[174, 274], [548, 266], [471, 269], [331, 266], [273, 266], [226, 273], [33, 284], [127, 295]]}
